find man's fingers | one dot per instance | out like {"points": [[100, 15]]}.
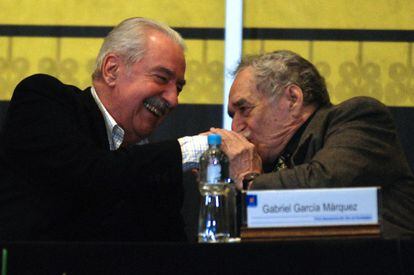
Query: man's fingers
{"points": [[228, 134]]}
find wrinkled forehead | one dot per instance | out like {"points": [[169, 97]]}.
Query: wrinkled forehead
{"points": [[244, 85]]}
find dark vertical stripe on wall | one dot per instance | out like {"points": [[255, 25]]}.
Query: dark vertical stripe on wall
{"points": [[218, 33], [328, 34]]}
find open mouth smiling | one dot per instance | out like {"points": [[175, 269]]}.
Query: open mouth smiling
{"points": [[157, 106]]}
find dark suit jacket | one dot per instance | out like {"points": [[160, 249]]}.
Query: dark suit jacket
{"points": [[348, 145], [59, 181]]}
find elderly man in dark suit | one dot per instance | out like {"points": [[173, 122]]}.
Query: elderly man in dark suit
{"points": [[70, 166], [287, 134]]}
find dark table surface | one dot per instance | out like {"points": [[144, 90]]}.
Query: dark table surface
{"points": [[334, 256]]}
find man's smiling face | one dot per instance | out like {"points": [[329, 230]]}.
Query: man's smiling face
{"points": [[146, 91]]}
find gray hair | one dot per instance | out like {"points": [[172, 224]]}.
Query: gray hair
{"points": [[276, 70], [129, 38]]}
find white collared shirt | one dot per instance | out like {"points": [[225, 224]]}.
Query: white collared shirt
{"points": [[114, 132], [191, 149]]}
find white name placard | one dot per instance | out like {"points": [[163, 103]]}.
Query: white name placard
{"points": [[312, 207]]}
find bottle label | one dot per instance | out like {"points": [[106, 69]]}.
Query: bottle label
{"points": [[213, 173]]}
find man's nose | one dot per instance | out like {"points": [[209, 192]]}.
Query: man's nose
{"points": [[171, 96], [237, 123]]}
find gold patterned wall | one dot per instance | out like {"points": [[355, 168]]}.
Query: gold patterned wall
{"points": [[383, 70], [342, 14], [380, 69], [69, 59], [72, 59]]}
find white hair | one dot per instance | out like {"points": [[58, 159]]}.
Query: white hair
{"points": [[128, 39], [275, 70]]}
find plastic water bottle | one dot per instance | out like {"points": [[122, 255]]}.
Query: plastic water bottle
{"points": [[217, 208]]}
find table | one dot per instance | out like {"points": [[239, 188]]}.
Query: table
{"points": [[334, 256]]}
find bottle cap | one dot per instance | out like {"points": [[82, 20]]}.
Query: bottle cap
{"points": [[214, 139]]}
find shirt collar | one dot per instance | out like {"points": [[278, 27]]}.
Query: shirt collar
{"points": [[114, 132]]}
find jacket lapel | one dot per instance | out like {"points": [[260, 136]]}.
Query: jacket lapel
{"points": [[94, 119]]}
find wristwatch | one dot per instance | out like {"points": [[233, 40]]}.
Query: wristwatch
{"points": [[248, 178]]}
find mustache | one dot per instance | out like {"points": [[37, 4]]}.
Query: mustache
{"points": [[159, 103]]}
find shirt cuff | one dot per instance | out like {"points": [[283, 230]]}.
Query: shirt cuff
{"points": [[191, 149]]}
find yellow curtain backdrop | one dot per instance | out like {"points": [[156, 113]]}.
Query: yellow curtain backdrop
{"points": [[383, 70], [72, 59]]}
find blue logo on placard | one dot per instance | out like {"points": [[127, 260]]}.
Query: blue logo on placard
{"points": [[251, 200]]}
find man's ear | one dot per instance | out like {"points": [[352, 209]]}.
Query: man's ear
{"points": [[110, 69], [295, 96]]}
